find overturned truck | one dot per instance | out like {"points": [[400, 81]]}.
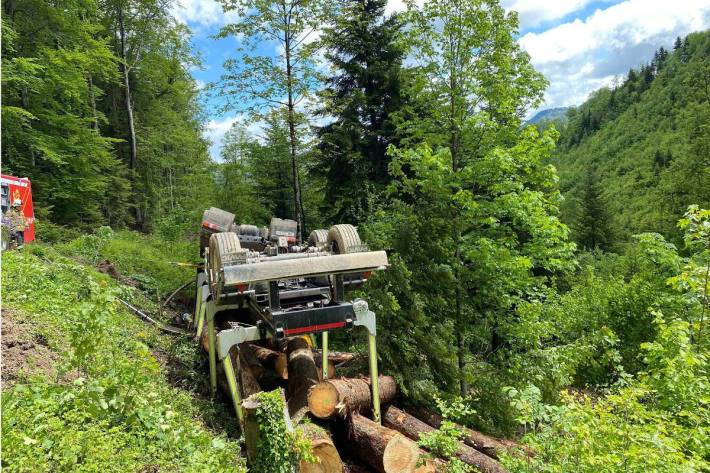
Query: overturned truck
{"points": [[261, 283]]}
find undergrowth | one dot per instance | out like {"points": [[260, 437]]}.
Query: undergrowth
{"points": [[119, 412]]}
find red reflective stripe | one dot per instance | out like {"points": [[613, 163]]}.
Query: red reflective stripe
{"points": [[209, 225], [313, 328]]}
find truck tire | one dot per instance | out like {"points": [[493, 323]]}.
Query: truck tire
{"points": [[224, 248], [342, 238], [318, 238]]}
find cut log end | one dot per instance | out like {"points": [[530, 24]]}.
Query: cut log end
{"points": [[322, 400], [328, 459], [401, 455]]}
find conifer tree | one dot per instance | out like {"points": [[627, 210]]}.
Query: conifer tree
{"points": [[592, 227], [362, 96]]}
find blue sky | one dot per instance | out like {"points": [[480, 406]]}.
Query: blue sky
{"points": [[579, 45]]}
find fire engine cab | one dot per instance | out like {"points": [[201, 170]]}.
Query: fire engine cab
{"points": [[19, 189]]}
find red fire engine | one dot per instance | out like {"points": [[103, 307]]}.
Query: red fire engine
{"points": [[19, 189]]}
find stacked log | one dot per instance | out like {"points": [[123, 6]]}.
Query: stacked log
{"points": [[491, 446], [303, 375], [387, 448], [383, 449], [271, 359], [333, 397], [323, 449], [251, 361], [412, 427]]}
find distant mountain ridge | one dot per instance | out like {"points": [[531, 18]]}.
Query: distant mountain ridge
{"points": [[548, 114]]}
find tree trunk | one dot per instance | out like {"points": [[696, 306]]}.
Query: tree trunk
{"points": [[328, 458], [292, 139], [413, 427], [251, 361], [25, 99], [491, 446], [333, 397], [129, 114], [92, 103], [384, 449], [302, 375]]}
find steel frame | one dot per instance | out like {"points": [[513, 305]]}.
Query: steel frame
{"points": [[220, 345]]}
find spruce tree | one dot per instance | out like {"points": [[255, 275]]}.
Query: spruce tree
{"points": [[592, 228], [362, 96]]}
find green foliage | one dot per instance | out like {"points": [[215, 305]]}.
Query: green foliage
{"points": [[656, 422], [279, 450], [122, 415], [509, 232], [141, 257], [64, 111], [444, 442]]}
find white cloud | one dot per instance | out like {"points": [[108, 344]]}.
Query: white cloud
{"points": [[535, 12], [582, 55], [202, 13], [214, 131]]}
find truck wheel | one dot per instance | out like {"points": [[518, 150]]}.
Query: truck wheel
{"points": [[224, 248], [343, 238], [318, 238]]}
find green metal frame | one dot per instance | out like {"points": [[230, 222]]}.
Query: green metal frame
{"points": [[221, 343], [366, 318], [227, 339]]}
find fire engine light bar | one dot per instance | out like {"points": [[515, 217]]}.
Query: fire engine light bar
{"points": [[304, 267]]}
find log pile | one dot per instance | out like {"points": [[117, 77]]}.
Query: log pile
{"points": [[344, 405]]}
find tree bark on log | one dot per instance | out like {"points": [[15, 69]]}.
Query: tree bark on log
{"points": [[384, 449], [336, 356], [333, 397], [303, 375], [271, 359], [491, 446], [323, 450], [256, 368], [412, 427]]}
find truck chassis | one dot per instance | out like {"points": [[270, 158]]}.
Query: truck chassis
{"points": [[259, 284]]}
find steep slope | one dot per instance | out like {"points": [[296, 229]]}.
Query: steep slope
{"points": [[633, 157]]}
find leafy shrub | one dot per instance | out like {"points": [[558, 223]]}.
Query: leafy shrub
{"points": [[279, 450], [444, 442], [656, 422], [47, 232]]}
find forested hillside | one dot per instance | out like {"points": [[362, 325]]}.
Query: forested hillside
{"points": [[635, 155]]}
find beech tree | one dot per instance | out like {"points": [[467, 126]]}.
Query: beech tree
{"points": [[473, 209], [255, 83]]}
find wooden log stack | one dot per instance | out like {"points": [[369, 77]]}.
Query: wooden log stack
{"points": [[344, 403]]}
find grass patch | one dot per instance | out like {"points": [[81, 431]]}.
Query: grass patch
{"points": [[123, 410]]}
